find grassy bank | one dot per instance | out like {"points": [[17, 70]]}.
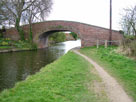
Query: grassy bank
{"points": [[66, 80], [7, 43], [119, 66], [5, 47]]}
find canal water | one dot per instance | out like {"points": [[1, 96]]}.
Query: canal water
{"points": [[16, 66]]}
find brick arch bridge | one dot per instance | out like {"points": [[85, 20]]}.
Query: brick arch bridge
{"points": [[87, 33]]}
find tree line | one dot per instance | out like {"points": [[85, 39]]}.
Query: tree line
{"points": [[128, 21], [128, 24], [19, 12]]}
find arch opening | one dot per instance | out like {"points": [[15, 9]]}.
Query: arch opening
{"points": [[44, 38]]}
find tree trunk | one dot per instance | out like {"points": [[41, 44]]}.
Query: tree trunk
{"points": [[19, 29], [30, 31], [135, 33], [134, 29]]}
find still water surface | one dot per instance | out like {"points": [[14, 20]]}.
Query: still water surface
{"points": [[16, 66]]}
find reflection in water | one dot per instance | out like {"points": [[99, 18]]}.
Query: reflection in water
{"points": [[66, 46], [17, 66]]}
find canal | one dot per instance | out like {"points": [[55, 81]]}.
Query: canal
{"points": [[16, 66]]}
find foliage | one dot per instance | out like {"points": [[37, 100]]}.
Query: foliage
{"points": [[5, 47], [22, 10], [129, 46], [5, 42], [24, 44], [129, 37], [65, 80], [128, 21], [17, 44], [19, 29], [16, 12], [1, 35], [30, 34], [22, 35], [121, 67], [121, 32], [59, 26], [33, 46], [2, 30], [74, 35], [57, 37]]}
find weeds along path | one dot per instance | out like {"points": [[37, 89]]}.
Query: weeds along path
{"points": [[114, 91]]}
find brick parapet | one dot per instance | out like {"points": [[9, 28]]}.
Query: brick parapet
{"points": [[87, 33]]}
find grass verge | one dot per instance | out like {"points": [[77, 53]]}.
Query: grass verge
{"points": [[7, 43], [65, 80], [5, 47], [119, 66]]}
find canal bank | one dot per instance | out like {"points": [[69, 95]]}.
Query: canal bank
{"points": [[69, 79], [16, 66], [16, 50]]}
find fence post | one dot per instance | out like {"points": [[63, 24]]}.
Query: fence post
{"points": [[106, 43], [120, 43], [97, 43]]}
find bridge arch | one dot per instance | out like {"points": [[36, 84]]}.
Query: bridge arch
{"points": [[87, 33], [43, 36]]}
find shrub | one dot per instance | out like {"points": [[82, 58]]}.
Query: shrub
{"points": [[129, 37], [1, 35], [129, 46], [57, 37], [74, 35], [2, 31], [5, 42]]}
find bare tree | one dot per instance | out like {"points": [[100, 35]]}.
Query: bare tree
{"points": [[128, 21], [17, 12], [37, 12]]}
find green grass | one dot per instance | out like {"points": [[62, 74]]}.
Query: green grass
{"points": [[5, 47], [119, 66], [6, 43], [65, 80]]}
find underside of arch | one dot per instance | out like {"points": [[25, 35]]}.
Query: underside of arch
{"points": [[43, 38]]}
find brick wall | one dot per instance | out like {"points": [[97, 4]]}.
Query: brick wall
{"points": [[87, 33]]}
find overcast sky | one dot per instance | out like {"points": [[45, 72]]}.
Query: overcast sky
{"points": [[94, 12]]}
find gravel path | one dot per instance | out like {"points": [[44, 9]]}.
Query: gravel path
{"points": [[114, 91]]}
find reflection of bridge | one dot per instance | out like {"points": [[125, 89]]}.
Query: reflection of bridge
{"points": [[87, 33]]}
